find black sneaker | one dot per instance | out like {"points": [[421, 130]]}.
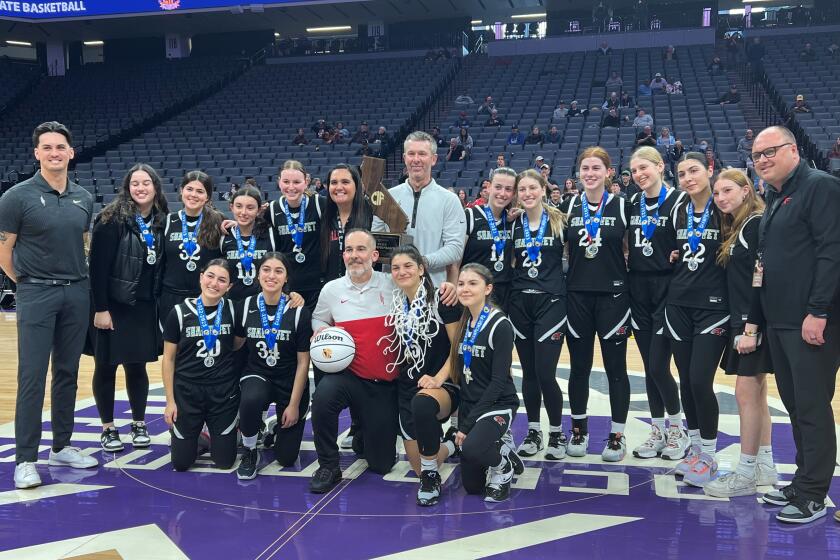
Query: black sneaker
{"points": [[780, 497], [269, 434], [324, 480], [801, 510], [509, 450], [140, 435], [429, 492], [248, 465], [450, 434], [110, 440], [498, 486], [556, 448], [532, 444]]}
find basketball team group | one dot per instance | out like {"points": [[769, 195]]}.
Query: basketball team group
{"points": [[706, 272]]}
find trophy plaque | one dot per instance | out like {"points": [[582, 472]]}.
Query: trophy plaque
{"points": [[385, 208]]}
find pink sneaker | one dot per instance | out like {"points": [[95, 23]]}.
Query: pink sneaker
{"points": [[704, 471], [691, 457]]}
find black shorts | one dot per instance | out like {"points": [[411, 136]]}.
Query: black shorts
{"points": [[280, 393], [684, 323], [501, 296], [647, 301], [216, 404], [540, 314], [406, 390], [604, 313], [746, 365]]}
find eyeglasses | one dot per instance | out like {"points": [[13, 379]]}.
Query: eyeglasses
{"points": [[769, 152]]}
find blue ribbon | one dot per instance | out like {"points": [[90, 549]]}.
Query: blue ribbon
{"points": [[209, 335], [649, 223], [296, 230], [592, 224], [270, 331], [245, 254], [533, 246], [471, 335], [695, 235], [498, 240], [189, 238], [145, 232]]}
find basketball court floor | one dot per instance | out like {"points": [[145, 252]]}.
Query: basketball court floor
{"points": [[134, 506]]}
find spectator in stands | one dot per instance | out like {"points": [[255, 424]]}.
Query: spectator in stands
{"points": [[658, 84], [642, 120], [575, 110], [320, 124], [714, 162], [561, 111], [250, 182], [555, 198], [716, 66], [494, 119], [300, 139], [835, 150], [515, 138], [365, 150], [615, 189], [800, 106], [744, 148], [833, 50], [730, 97], [327, 137], [488, 106], [569, 188], [626, 100], [645, 137], [536, 137], [675, 154], [500, 160], [644, 90], [462, 121], [665, 140], [627, 185], [483, 193], [553, 136], [604, 49], [462, 197], [383, 139], [612, 102], [341, 131], [538, 163], [674, 88], [732, 48], [611, 119], [456, 152], [670, 53], [614, 82], [317, 185], [363, 134], [807, 54], [545, 171], [439, 140], [465, 140]]}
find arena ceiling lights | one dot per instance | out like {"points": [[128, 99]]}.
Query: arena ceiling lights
{"points": [[529, 16], [329, 29]]}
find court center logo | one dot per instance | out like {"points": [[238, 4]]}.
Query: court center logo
{"points": [[169, 5]]}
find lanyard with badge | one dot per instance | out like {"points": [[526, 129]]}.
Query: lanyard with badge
{"points": [[470, 337], [296, 229], [146, 233], [533, 246], [592, 224], [188, 239], [270, 330], [648, 223], [245, 255], [209, 334], [498, 240], [696, 234]]}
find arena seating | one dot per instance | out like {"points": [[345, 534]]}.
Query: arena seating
{"points": [[526, 91], [247, 128]]}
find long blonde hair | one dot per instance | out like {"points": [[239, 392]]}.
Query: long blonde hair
{"points": [[731, 224], [556, 218], [651, 154]]}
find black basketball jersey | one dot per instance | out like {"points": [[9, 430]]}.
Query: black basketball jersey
{"points": [[489, 386], [335, 261], [238, 289], [550, 278], [480, 247], [176, 275], [436, 351], [705, 287], [306, 275], [293, 337], [607, 271], [194, 362], [664, 239], [739, 271]]}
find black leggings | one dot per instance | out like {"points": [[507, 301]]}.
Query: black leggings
{"points": [[662, 391], [539, 378], [257, 394], [222, 451], [480, 451], [614, 353], [697, 361], [136, 384]]}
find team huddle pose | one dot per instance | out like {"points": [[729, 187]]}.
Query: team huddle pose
{"points": [[237, 305]]}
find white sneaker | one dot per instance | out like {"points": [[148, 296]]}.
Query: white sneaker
{"points": [[730, 485], [578, 445], [677, 443], [26, 476], [652, 446], [766, 475], [71, 457], [615, 450]]}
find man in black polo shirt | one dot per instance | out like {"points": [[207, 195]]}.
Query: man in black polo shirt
{"points": [[43, 221]]}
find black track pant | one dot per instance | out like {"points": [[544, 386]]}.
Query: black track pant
{"points": [[662, 391], [697, 360], [216, 405], [806, 376], [136, 384], [481, 448], [257, 394], [614, 354]]}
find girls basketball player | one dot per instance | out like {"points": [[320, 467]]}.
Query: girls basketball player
{"points": [[697, 315], [481, 362], [651, 241], [346, 208], [247, 242], [202, 387], [745, 356], [277, 337], [423, 328], [598, 302], [124, 265], [190, 240], [297, 217], [538, 310]]}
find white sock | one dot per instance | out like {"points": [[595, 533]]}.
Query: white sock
{"points": [[659, 423], [555, 429], [709, 446], [249, 441], [746, 466], [616, 428], [534, 426], [765, 456], [675, 419], [453, 421], [428, 464], [450, 446], [694, 435]]}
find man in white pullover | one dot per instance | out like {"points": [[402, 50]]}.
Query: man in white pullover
{"points": [[435, 216]]}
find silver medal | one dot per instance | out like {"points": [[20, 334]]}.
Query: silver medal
{"points": [[533, 272], [151, 258], [271, 361], [693, 264], [300, 257], [647, 250], [498, 266], [591, 251], [248, 280], [191, 266], [209, 361]]}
